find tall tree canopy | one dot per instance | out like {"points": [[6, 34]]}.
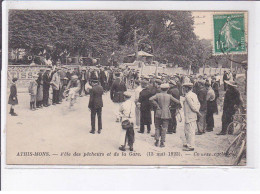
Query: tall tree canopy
{"points": [[81, 32], [168, 35]]}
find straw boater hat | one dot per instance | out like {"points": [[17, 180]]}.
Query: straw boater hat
{"points": [[74, 77], [164, 86], [188, 84], [172, 82], [231, 83], [127, 94]]}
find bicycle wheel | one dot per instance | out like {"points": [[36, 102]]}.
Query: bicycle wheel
{"points": [[234, 151], [234, 127], [240, 153]]}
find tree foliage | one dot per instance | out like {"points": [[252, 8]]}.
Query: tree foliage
{"points": [[168, 35], [77, 32]]}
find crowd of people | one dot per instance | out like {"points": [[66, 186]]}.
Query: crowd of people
{"points": [[136, 97]]}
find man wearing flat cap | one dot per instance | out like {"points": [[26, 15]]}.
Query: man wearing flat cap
{"points": [[162, 102], [95, 105]]}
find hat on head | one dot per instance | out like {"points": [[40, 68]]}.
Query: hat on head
{"points": [[172, 82], [145, 82], [231, 83], [127, 94], [146, 77], [117, 74], [14, 79], [74, 77], [164, 86], [158, 81], [201, 81], [94, 81], [188, 84]]}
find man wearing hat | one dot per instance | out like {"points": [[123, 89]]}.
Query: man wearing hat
{"points": [[63, 81], [191, 108], [117, 89], [46, 86], [162, 103], [33, 91], [39, 96], [73, 87], [232, 101], [56, 86], [225, 78], [211, 109], [145, 107], [202, 97], [95, 105], [83, 81], [215, 87], [174, 91]]}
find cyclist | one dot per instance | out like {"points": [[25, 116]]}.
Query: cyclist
{"points": [[73, 89]]}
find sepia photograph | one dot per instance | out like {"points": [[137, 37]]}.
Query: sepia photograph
{"points": [[127, 87]]}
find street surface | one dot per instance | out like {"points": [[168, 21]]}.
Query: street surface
{"points": [[62, 132]]}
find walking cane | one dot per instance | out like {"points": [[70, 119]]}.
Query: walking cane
{"points": [[179, 118]]}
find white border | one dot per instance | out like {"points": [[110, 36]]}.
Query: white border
{"points": [[180, 178]]}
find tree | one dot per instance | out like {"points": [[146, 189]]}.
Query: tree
{"points": [[167, 34], [80, 33]]}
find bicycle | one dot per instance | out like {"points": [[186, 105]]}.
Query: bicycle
{"points": [[237, 124], [237, 148]]}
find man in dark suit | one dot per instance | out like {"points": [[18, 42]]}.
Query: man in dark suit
{"points": [[117, 89], [95, 105], [103, 78], [46, 87], [174, 91], [145, 107]]}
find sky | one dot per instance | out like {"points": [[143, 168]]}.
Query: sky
{"points": [[203, 23]]}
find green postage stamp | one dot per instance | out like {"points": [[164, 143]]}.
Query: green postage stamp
{"points": [[229, 34]]}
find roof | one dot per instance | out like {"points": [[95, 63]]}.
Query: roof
{"points": [[141, 53]]}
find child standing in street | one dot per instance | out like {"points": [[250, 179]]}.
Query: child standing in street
{"points": [[33, 92], [13, 97]]}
